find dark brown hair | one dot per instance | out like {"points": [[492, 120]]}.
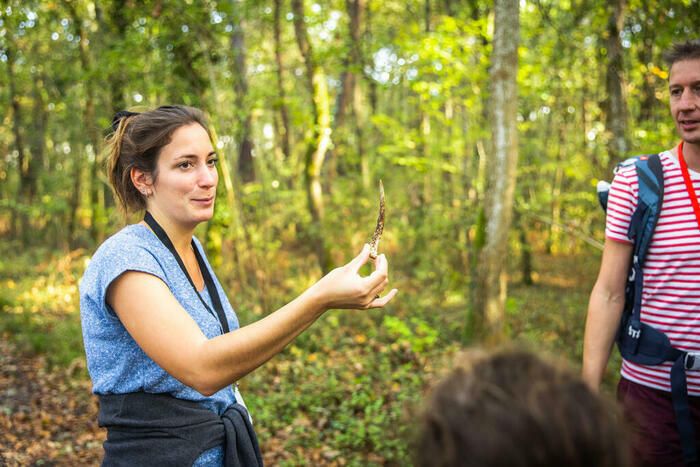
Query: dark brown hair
{"points": [[511, 408], [688, 50], [136, 142]]}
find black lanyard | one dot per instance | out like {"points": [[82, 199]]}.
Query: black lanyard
{"points": [[213, 292]]}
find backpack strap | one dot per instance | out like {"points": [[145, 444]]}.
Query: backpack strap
{"points": [[603, 187], [650, 176], [650, 192], [649, 198], [637, 341]]}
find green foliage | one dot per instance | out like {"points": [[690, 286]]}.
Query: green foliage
{"points": [[370, 383], [38, 304], [61, 341], [419, 120], [349, 388], [421, 338]]}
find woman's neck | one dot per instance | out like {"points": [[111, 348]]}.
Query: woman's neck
{"points": [[180, 235]]}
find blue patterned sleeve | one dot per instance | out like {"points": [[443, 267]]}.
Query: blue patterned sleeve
{"points": [[108, 264]]}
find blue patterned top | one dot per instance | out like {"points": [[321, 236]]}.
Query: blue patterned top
{"points": [[116, 363]]}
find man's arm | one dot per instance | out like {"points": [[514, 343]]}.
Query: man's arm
{"points": [[605, 310]]}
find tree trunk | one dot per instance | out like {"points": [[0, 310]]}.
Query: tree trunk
{"points": [[246, 168], [281, 104], [227, 231], [554, 233], [236, 227], [346, 97], [99, 219], [491, 281], [449, 7], [616, 108], [117, 77], [525, 250], [37, 140], [425, 128], [19, 222], [74, 202], [427, 15], [372, 84], [361, 124], [646, 56], [321, 134], [116, 25], [365, 129]]}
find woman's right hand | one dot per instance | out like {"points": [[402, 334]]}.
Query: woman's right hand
{"points": [[343, 287]]}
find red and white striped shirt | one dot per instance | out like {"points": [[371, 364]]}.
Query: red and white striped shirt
{"points": [[671, 294]]}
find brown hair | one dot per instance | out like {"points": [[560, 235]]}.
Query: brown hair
{"points": [[688, 50], [136, 141], [513, 408]]}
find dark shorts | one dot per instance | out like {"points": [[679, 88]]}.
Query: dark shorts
{"points": [[653, 431]]}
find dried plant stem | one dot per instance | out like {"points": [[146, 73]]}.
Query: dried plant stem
{"points": [[374, 243]]}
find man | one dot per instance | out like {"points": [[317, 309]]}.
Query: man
{"points": [[671, 277]]}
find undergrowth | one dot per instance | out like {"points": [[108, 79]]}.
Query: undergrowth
{"points": [[349, 390]]}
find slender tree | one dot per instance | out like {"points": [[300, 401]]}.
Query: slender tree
{"points": [[349, 95], [320, 139], [10, 51], [116, 25], [246, 169], [37, 138], [615, 104], [501, 170], [87, 63], [283, 131]]}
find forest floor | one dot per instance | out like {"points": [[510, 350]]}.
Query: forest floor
{"points": [[46, 417], [49, 417]]}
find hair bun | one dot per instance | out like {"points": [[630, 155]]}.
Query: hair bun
{"points": [[119, 116]]}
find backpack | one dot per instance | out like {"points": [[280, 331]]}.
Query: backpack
{"points": [[638, 342]]}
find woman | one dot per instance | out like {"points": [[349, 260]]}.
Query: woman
{"points": [[163, 344]]}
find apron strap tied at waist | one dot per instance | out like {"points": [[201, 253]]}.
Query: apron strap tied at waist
{"points": [[146, 429]]}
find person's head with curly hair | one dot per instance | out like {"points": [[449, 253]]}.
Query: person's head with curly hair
{"points": [[513, 408]]}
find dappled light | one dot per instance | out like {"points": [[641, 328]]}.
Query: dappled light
{"points": [[488, 126]]}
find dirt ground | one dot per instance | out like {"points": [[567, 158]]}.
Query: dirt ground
{"points": [[46, 417]]}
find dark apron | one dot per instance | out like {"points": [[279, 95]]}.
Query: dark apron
{"points": [[157, 429]]}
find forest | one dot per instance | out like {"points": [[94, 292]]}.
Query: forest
{"points": [[489, 124]]}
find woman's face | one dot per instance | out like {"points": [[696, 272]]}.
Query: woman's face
{"points": [[185, 185]]}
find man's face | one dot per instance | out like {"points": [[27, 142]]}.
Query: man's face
{"points": [[684, 87]]}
